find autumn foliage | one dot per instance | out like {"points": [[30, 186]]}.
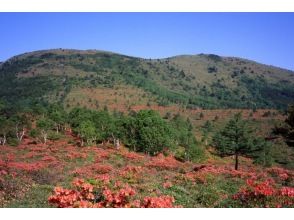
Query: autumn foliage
{"points": [[265, 194], [104, 177], [86, 195]]}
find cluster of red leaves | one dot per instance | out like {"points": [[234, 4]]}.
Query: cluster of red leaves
{"points": [[29, 167], [158, 202], [76, 155], [281, 173], [130, 169], [167, 185], [49, 159], [9, 164], [200, 173], [199, 177], [92, 170], [31, 154], [120, 199], [103, 178], [65, 198], [264, 188], [132, 156], [83, 197], [264, 194], [287, 191], [102, 153], [161, 162]]}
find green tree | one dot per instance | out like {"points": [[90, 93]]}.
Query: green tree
{"points": [[234, 139], [105, 125], [58, 116], [290, 123], [88, 132], [263, 153], [206, 129], [21, 123], [152, 134], [287, 128], [77, 116], [45, 125], [184, 137], [5, 126], [103, 122]]}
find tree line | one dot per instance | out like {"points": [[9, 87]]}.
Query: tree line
{"points": [[144, 131]]}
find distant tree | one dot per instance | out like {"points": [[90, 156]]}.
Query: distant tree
{"points": [[263, 153], [287, 128], [184, 137], [3, 123], [105, 126], [21, 123], [148, 132], [45, 125], [4, 129], [206, 129], [77, 115], [103, 122], [58, 116], [87, 132], [235, 138], [212, 69], [290, 122]]}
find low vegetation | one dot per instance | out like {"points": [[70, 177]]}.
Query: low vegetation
{"points": [[88, 158], [97, 129]]}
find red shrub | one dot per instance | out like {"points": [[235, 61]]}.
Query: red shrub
{"points": [[162, 162], [167, 185], [158, 202], [76, 155], [92, 170], [83, 197], [133, 156], [283, 174], [287, 191], [264, 194]]}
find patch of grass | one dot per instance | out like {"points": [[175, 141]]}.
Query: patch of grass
{"points": [[183, 196], [36, 197]]}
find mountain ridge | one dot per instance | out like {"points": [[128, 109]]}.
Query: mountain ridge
{"points": [[138, 57], [203, 80]]}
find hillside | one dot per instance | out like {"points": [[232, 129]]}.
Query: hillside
{"points": [[96, 78], [60, 174], [99, 129]]}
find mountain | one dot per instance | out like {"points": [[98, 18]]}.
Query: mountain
{"points": [[95, 78]]}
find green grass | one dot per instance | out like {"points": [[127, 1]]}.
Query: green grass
{"points": [[36, 197]]}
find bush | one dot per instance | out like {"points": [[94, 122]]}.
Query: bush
{"points": [[12, 141], [54, 136], [149, 132], [34, 133]]}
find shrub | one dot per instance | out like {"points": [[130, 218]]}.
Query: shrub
{"points": [[34, 133], [86, 195], [264, 194]]}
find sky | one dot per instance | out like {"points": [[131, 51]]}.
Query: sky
{"points": [[264, 37]]}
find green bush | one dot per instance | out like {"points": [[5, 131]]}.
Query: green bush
{"points": [[54, 136], [34, 133]]}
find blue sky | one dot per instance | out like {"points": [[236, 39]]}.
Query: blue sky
{"points": [[264, 37]]}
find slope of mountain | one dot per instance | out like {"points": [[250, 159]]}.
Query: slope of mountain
{"points": [[198, 81]]}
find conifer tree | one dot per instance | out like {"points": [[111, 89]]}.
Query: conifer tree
{"points": [[234, 139]]}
